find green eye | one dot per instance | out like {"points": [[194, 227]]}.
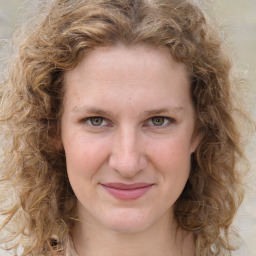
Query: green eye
{"points": [[158, 120], [96, 121]]}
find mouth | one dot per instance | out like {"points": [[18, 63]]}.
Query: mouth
{"points": [[124, 191]]}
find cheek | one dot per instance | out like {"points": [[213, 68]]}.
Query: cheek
{"points": [[84, 156], [175, 169], [172, 150], [172, 158]]}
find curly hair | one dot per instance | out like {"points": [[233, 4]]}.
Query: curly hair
{"points": [[44, 204]]}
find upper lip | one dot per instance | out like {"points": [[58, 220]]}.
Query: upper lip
{"points": [[125, 186]]}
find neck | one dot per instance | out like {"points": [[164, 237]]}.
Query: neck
{"points": [[161, 240]]}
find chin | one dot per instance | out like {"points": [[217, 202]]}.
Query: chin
{"points": [[127, 222]]}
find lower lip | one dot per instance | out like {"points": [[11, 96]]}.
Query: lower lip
{"points": [[128, 194]]}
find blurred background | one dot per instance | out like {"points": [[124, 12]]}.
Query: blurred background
{"points": [[238, 18]]}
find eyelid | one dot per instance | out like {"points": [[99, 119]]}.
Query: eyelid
{"points": [[86, 119], [109, 123], [169, 119]]}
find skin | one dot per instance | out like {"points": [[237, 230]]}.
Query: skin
{"points": [[126, 88]]}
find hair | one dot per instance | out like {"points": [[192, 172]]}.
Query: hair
{"points": [[43, 206]]}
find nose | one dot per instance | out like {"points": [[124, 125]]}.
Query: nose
{"points": [[127, 155]]}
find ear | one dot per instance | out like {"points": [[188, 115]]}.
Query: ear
{"points": [[196, 138], [55, 138], [57, 143]]}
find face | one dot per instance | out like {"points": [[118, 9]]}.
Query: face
{"points": [[128, 134]]}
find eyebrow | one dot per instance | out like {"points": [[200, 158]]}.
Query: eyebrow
{"points": [[94, 110], [101, 112], [163, 110]]}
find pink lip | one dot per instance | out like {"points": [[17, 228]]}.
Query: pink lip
{"points": [[127, 191]]}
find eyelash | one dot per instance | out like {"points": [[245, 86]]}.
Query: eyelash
{"points": [[167, 121], [88, 121]]}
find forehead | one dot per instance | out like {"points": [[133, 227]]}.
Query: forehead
{"points": [[127, 62], [128, 76], [127, 81]]}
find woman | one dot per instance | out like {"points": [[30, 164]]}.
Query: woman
{"points": [[119, 132]]}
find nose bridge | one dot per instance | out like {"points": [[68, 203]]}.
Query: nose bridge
{"points": [[127, 156]]}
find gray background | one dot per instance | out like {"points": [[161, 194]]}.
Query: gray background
{"points": [[239, 21]]}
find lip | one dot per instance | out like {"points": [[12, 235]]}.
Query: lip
{"points": [[124, 191]]}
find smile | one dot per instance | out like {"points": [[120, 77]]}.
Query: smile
{"points": [[127, 191]]}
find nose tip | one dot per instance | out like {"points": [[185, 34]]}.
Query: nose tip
{"points": [[128, 165], [127, 156]]}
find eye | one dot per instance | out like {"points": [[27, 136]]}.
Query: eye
{"points": [[160, 121], [95, 121]]}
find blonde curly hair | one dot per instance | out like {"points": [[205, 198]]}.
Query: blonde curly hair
{"points": [[43, 208]]}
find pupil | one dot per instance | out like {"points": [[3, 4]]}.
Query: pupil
{"points": [[158, 121], [96, 121]]}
